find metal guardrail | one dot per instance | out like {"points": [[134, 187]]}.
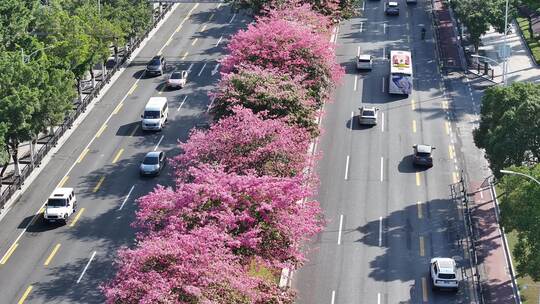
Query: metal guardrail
{"points": [[472, 237], [80, 107]]}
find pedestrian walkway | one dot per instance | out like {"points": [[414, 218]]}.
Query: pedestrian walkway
{"points": [[521, 66], [446, 36], [493, 262]]}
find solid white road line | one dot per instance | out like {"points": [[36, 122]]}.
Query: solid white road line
{"points": [[86, 267], [217, 43], [202, 69], [190, 67], [233, 16], [382, 122], [380, 231], [340, 227], [382, 168], [347, 168], [355, 81], [185, 97], [159, 142], [378, 298], [333, 297], [361, 26], [358, 51], [126, 198]]}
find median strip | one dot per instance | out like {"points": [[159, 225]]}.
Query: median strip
{"points": [[83, 154], [118, 154], [51, 256], [9, 253], [76, 217], [25, 295]]}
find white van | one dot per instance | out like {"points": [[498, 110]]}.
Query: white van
{"points": [[155, 114], [60, 205]]}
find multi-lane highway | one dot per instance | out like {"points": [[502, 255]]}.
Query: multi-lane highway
{"points": [[42, 263], [386, 218]]}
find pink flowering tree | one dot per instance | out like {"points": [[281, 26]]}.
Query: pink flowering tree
{"points": [[245, 142], [297, 12], [266, 217], [265, 90], [289, 49], [195, 267]]}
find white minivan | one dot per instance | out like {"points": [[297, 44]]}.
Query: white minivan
{"points": [[155, 114]]}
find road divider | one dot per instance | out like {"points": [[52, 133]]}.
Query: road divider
{"points": [[380, 231], [455, 177], [352, 121], [118, 154], [413, 104], [83, 154], [347, 167], [86, 267], [133, 87], [414, 126], [183, 101], [98, 185], [159, 142], [76, 219], [382, 168], [202, 69], [219, 40], [118, 107], [355, 82], [8, 253], [126, 198], [383, 84], [185, 55], [100, 131], [333, 299], [340, 229], [25, 294], [63, 181], [418, 178], [422, 247], [194, 41], [134, 130], [419, 206], [51, 256], [204, 27], [382, 122], [424, 290], [447, 127], [451, 151]]}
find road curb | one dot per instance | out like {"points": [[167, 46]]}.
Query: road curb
{"points": [[37, 171]]}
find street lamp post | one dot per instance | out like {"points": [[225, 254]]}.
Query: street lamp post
{"points": [[520, 174], [505, 62]]}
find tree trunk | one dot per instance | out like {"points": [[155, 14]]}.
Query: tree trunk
{"points": [[14, 145], [93, 77], [79, 91], [103, 70], [33, 144]]}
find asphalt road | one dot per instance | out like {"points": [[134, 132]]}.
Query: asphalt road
{"points": [[386, 219], [43, 263]]}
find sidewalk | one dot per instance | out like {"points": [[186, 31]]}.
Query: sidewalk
{"points": [[521, 67], [493, 264]]}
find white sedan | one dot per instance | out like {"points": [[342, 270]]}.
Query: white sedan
{"points": [[177, 79]]}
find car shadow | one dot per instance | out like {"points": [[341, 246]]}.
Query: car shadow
{"points": [[406, 165]]}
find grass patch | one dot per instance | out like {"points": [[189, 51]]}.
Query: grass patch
{"points": [[534, 43], [260, 271], [529, 289]]}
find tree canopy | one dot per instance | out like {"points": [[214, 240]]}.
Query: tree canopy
{"points": [[520, 211], [509, 124]]}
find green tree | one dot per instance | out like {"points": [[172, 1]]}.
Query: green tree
{"points": [[479, 15], [509, 124], [15, 16], [534, 7], [520, 211], [33, 96]]}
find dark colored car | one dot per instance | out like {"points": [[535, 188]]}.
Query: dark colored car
{"points": [[156, 66], [392, 8], [152, 163], [422, 155]]}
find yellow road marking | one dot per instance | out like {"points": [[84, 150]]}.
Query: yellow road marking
{"points": [[96, 188], [118, 107], [451, 151], [419, 205], [185, 55], [187, 17], [455, 177], [422, 249], [424, 290], [132, 89], [25, 295], [63, 181], [418, 178], [447, 126], [413, 106], [76, 217], [194, 41], [83, 154], [51, 256], [9, 253], [118, 155], [204, 28], [134, 130], [414, 126], [101, 130], [211, 17]]}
